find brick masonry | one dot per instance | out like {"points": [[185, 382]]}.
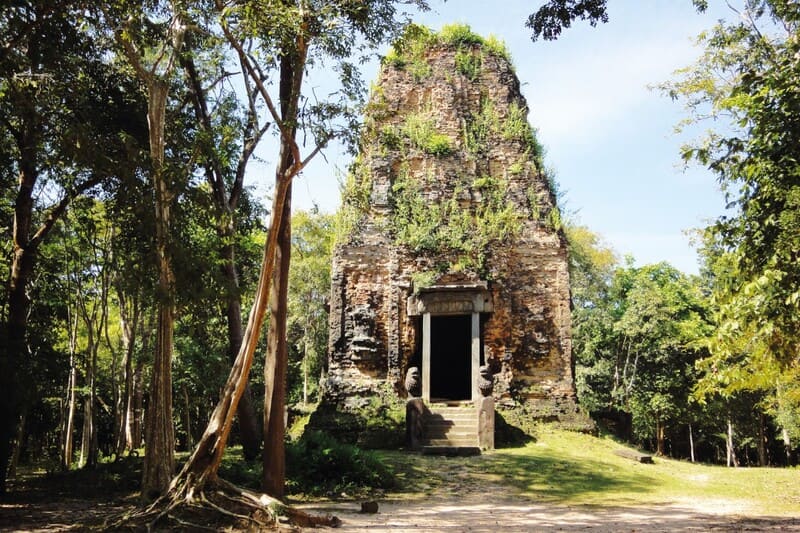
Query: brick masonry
{"points": [[526, 337]]}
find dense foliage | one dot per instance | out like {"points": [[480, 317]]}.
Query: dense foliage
{"points": [[689, 366], [749, 79]]}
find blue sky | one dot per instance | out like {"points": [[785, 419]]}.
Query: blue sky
{"points": [[609, 137]]}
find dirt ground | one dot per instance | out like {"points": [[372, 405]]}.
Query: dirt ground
{"points": [[468, 502], [493, 512], [459, 496], [442, 513]]}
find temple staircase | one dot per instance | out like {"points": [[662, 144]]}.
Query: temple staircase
{"points": [[447, 425], [453, 428]]}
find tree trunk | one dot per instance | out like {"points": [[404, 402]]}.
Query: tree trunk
{"points": [[14, 374], [137, 420], [187, 419], [129, 324], [731, 452], [159, 432], [691, 444], [124, 437], [86, 433], [763, 460], [202, 467], [305, 366], [88, 437], [246, 413], [787, 447], [18, 444], [137, 423], [67, 439], [660, 437], [275, 367]]}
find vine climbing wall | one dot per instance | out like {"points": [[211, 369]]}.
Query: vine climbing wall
{"points": [[449, 190]]}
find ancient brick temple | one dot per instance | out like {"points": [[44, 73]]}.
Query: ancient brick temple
{"points": [[450, 253]]}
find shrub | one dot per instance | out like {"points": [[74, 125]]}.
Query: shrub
{"points": [[356, 192], [496, 47], [468, 63], [459, 35], [421, 131], [318, 464]]}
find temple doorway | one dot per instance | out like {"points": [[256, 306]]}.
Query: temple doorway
{"points": [[451, 358]]}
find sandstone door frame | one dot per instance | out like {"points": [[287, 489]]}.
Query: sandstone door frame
{"points": [[442, 300], [475, 354]]}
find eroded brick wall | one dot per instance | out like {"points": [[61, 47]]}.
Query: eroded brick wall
{"points": [[527, 337]]}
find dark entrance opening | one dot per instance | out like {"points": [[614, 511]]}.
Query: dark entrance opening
{"points": [[451, 357]]}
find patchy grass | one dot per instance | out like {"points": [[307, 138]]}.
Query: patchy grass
{"points": [[575, 469]]}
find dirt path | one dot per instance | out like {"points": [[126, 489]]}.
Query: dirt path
{"points": [[451, 495], [443, 495], [492, 512]]}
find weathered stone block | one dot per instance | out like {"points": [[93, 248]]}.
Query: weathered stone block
{"points": [[462, 232]]}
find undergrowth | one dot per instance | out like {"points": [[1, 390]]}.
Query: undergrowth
{"points": [[319, 465]]}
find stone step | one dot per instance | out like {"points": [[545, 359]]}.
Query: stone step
{"points": [[451, 450], [445, 409], [451, 442], [452, 416], [450, 429], [440, 430], [438, 420], [448, 414], [469, 430], [451, 423]]}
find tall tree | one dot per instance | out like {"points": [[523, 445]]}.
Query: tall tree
{"points": [[309, 288], [294, 33], [53, 81], [227, 152], [749, 79], [156, 73]]}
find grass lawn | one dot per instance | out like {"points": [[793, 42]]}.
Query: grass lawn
{"points": [[570, 468]]}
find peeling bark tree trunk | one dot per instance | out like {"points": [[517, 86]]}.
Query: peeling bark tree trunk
{"points": [[275, 366], [159, 459], [248, 422], [201, 469], [128, 325], [226, 204]]}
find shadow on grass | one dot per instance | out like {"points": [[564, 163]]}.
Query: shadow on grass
{"points": [[565, 479], [521, 472]]}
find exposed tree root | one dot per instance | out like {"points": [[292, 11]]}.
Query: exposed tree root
{"points": [[218, 505]]}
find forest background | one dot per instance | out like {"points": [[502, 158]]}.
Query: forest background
{"points": [[132, 237]]}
